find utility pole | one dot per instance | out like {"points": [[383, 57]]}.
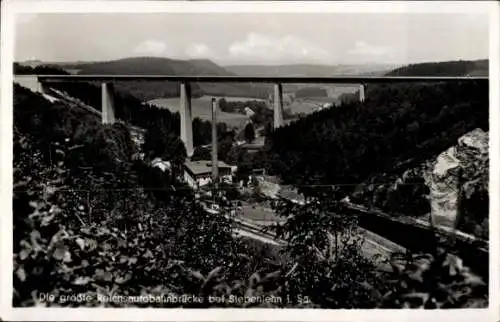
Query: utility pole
{"points": [[215, 161]]}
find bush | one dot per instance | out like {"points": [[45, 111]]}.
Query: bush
{"points": [[436, 280]]}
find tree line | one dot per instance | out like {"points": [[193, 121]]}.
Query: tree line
{"points": [[449, 68]]}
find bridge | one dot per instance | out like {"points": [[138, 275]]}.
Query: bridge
{"points": [[41, 83]]}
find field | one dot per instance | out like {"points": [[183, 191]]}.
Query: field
{"points": [[201, 108], [304, 105], [307, 105]]}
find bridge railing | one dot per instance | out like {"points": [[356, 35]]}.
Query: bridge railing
{"points": [[108, 108]]}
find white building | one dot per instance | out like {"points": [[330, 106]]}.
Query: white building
{"points": [[199, 173]]}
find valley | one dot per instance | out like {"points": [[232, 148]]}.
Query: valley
{"points": [[202, 108]]}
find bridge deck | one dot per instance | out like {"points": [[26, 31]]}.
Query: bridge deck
{"points": [[258, 79]]}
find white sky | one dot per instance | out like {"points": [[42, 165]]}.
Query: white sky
{"points": [[254, 38]]}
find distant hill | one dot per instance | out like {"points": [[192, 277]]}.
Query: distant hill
{"points": [[159, 89], [309, 70], [151, 66], [447, 68]]}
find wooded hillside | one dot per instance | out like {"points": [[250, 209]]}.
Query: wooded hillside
{"points": [[397, 123]]}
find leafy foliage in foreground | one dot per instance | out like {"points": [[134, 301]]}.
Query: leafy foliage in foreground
{"points": [[329, 269], [438, 280]]}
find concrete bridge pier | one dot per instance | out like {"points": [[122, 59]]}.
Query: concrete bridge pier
{"points": [[361, 93], [108, 103], [42, 88], [31, 82], [186, 117], [215, 161], [278, 105]]}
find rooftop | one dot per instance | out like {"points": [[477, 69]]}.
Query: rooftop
{"points": [[203, 166]]}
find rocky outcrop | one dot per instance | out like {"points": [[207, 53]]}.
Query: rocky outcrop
{"points": [[458, 182], [442, 178], [452, 188]]}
